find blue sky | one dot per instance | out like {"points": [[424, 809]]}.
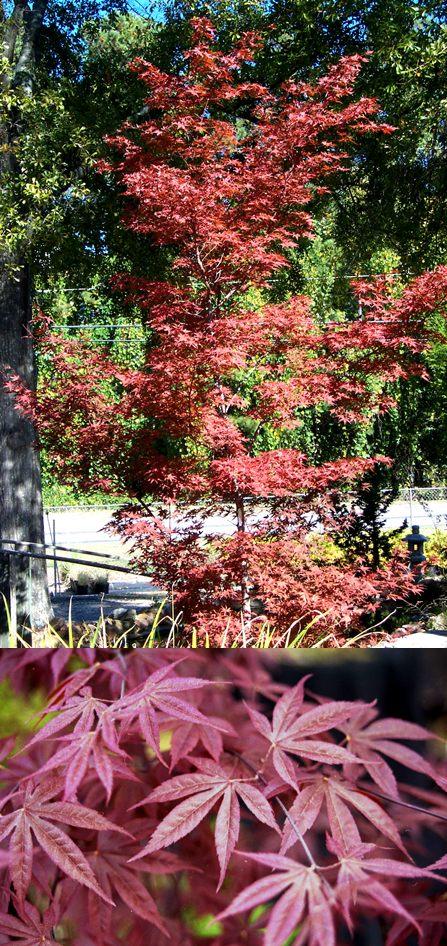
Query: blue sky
{"points": [[142, 7], [145, 8]]}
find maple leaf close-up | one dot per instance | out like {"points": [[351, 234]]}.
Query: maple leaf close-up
{"points": [[239, 812]]}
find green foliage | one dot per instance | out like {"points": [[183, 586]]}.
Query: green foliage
{"points": [[49, 154], [321, 266], [17, 710], [60, 494], [436, 549], [202, 925], [324, 551]]}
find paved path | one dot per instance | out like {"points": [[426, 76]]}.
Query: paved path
{"points": [[89, 609], [135, 593], [418, 640], [85, 527]]}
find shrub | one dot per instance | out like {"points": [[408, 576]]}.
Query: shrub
{"points": [[85, 580], [436, 549]]}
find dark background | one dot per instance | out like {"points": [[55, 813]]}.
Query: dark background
{"points": [[407, 683]]}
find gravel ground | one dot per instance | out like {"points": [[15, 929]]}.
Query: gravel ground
{"points": [[418, 640], [88, 608]]}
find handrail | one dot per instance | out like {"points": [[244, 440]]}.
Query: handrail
{"points": [[72, 561], [61, 548]]}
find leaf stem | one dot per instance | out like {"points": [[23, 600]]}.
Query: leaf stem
{"points": [[281, 804], [404, 804]]}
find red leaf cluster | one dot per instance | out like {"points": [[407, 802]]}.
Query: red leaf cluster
{"points": [[186, 798]]}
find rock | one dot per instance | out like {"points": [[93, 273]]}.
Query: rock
{"points": [[114, 627], [94, 587], [118, 613], [59, 624], [438, 622], [123, 614]]}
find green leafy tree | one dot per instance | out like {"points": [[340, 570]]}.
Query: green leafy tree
{"points": [[47, 156]]}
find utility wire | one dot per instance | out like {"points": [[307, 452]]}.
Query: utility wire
{"points": [[94, 325], [76, 289], [392, 275]]}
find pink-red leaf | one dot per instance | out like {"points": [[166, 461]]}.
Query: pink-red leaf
{"points": [[181, 820], [227, 830], [64, 853]]}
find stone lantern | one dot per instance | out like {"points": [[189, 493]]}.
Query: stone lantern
{"points": [[415, 542]]}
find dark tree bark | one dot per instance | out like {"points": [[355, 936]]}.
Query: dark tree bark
{"points": [[20, 486], [21, 509]]}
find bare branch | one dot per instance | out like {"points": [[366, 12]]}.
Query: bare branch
{"points": [[404, 804]]}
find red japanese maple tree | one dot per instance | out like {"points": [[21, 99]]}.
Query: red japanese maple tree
{"points": [[221, 174], [154, 796]]}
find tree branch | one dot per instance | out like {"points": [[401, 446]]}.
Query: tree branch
{"points": [[281, 804], [404, 804]]}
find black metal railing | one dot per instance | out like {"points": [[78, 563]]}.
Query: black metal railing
{"points": [[63, 558], [62, 548], [8, 608]]}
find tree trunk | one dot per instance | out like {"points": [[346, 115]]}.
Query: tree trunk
{"points": [[20, 484], [245, 584], [21, 511]]}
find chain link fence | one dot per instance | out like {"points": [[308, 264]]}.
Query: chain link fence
{"points": [[424, 494], [425, 506]]}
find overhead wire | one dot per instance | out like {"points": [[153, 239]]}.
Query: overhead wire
{"points": [[96, 326], [392, 275], [73, 289]]}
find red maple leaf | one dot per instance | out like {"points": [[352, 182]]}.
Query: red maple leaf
{"points": [[301, 892], [186, 736], [160, 692], [29, 928], [354, 877], [117, 877], [340, 798], [371, 739], [93, 740], [292, 732], [202, 790], [431, 917], [36, 817]]}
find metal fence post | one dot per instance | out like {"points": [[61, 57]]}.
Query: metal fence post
{"points": [[55, 570], [13, 604], [30, 592]]}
